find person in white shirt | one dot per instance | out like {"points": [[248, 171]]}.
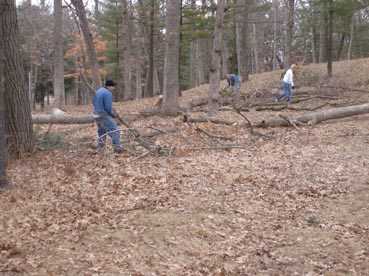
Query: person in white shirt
{"points": [[288, 84]]}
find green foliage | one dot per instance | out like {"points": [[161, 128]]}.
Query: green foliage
{"points": [[108, 24]]}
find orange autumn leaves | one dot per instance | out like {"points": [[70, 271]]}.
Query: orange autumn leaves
{"points": [[76, 53]]}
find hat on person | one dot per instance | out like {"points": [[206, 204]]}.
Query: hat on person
{"points": [[110, 83]]}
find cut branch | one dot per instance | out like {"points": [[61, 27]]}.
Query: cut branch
{"points": [[212, 135]]}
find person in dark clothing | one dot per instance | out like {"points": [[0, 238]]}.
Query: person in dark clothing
{"points": [[234, 82], [104, 117]]}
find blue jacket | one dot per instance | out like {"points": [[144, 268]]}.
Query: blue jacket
{"points": [[103, 102]]}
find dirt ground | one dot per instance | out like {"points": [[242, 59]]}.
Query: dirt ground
{"points": [[291, 202]]}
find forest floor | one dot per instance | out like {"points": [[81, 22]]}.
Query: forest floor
{"points": [[292, 202]]}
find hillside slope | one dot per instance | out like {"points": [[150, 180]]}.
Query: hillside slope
{"points": [[289, 202]]}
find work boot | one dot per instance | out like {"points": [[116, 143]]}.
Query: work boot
{"points": [[100, 148], [118, 150]]}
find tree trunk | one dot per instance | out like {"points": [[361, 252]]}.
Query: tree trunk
{"points": [[255, 48], [318, 116], [157, 90], [340, 47], [171, 63], [323, 33], [3, 145], [352, 28], [19, 124], [149, 88], [214, 85], [89, 41], [225, 56], [125, 53], [200, 61], [59, 92], [330, 39], [275, 32], [290, 25], [242, 37], [138, 81]]}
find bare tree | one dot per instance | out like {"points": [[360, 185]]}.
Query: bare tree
{"points": [[290, 25], [89, 41], [242, 38], [275, 32], [18, 114], [214, 86], [323, 32], [330, 38], [126, 52], [58, 83], [171, 63]]}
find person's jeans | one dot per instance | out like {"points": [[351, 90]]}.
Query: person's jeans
{"points": [[287, 92], [106, 125]]}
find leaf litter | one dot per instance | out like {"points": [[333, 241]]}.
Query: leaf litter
{"points": [[296, 204]]}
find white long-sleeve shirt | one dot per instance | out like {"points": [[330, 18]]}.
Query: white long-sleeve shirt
{"points": [[288, 77]]}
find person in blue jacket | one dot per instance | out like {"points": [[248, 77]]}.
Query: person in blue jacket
{"points": [[104, 116], [234, 81]]}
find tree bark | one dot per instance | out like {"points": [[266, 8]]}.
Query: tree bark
{"points": [[64, 119], [242, 38], [352, 28], [171, 63], [18, 115], [125, 56], [59, 92], [149, 87], [290, 25], [3, 145], [323, 33], [255, 48], [138, 80], [330, 39], [89, 41], [318, 116], [214, 85], [275, 32]]}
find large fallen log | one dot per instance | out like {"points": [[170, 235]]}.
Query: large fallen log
{"points": [[205, 119], [317, 116], [65, 119], [62, 119]]}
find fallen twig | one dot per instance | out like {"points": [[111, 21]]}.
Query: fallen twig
{"points": [[212, 135]]}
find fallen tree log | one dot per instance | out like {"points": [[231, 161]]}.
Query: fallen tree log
{"points": [[318, 116], [62, 119], [205, 119], [43, 119]]}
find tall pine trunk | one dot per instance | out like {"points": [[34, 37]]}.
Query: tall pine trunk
{"points": [[290, 25], [58, 83], [171, 62], [275, 32], [323, 33], [215, 66], [352, 29], [330, 38], [149, 88], [125, 54], [242, 38], [18, 114], [3, 145]]}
